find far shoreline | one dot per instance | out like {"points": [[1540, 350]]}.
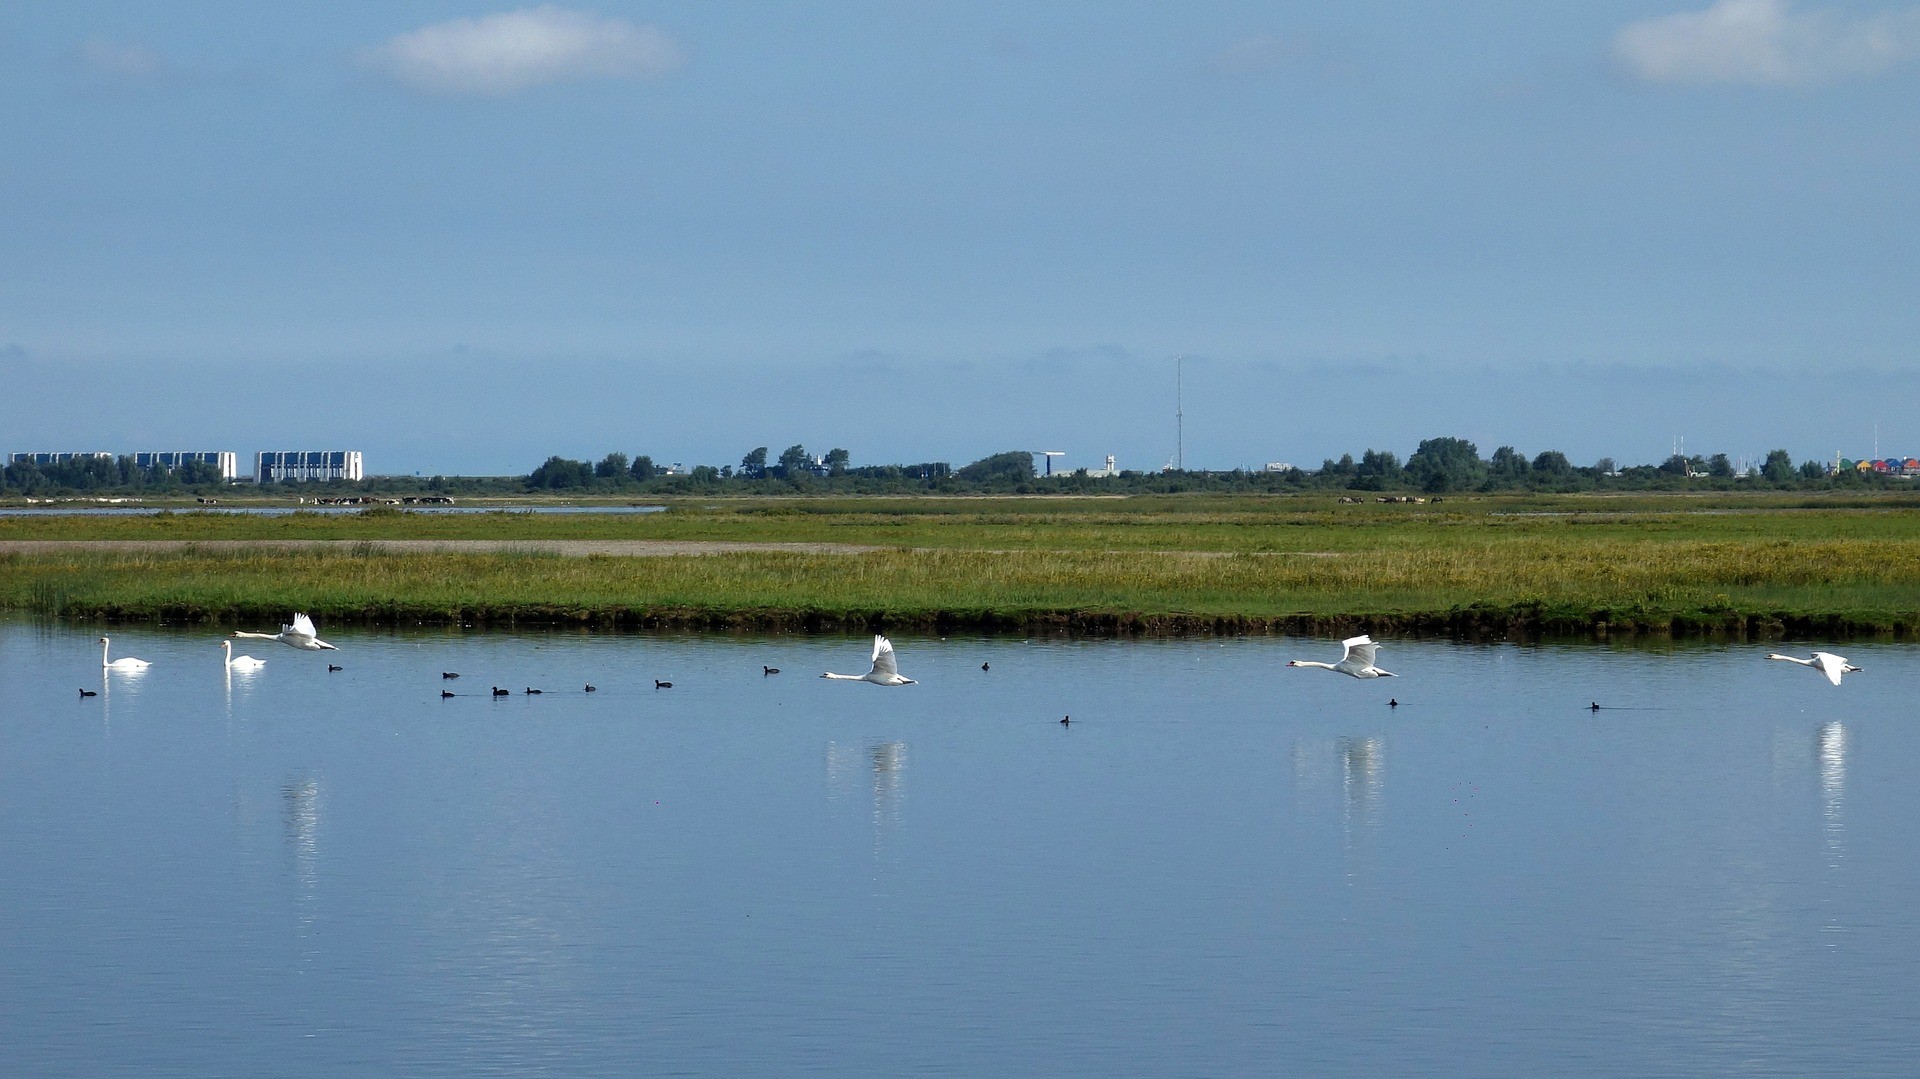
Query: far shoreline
{"points": [[1476, 567]]}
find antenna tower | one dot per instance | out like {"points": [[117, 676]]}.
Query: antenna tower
{"points": [[1179, 416]]}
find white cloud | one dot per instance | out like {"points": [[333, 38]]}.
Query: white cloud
{"points": [[1766, 42], [513, 50], [120, 61]]}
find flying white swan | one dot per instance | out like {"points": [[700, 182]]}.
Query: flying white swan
{"points": [[886, 669], [300, 634], [1825, 662], [125, 663], [241, 663], [1358, 661]]}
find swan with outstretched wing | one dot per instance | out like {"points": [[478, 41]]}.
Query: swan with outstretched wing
{"points": [[1358, 661], [300, 634], [886, 669], [1825, 662]]}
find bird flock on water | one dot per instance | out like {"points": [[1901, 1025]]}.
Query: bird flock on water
{"points": [[1359, 660], [303, 635]]}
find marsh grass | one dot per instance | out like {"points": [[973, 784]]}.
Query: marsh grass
{"points": [[1551, 584], [1746, 564]]}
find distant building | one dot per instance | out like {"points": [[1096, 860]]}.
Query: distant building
{"points": [[56, 458], [1906, 467], [226, 461], [1279, 466], [1110, 470], [274, 466]]}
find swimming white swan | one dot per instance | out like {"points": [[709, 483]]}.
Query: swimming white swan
{"points": [[125, 663], [300, 634], [1358, 661], [241, 663], [1825, 662], [886, 669]]}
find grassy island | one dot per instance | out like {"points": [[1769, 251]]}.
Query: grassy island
{"points": [[1748, 565]]}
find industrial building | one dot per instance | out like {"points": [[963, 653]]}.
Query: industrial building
{"points": [[227, 461], [274, 466], [56, 458]]}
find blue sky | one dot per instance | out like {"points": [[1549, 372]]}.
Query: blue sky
{"points": [[462, 236]]}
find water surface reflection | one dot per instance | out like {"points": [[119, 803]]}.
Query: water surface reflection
{"points": [[300, 819], [1222, 871], [1833, 744], [881, 770]]}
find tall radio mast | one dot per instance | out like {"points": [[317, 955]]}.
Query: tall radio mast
{"points": [[1179, 416]]}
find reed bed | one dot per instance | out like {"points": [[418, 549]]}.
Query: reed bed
{"points": [[1557, 580], [1203, 523]]}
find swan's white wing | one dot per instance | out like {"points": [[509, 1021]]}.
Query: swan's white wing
{"points": [[1831, 665], [303, 626], [1360, 650], [883, 662]]}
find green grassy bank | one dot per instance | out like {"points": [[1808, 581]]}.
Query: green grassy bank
{"points": [[1752, 567]]}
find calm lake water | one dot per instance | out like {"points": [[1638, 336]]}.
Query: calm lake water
{"points": [[1223, 867]]}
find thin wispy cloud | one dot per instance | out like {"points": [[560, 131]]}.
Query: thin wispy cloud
{"points": [[118, 60], [515, 50], [1766, 42]]}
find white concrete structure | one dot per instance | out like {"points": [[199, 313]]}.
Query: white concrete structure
{"points": [[226, 461], [57, 458], [1110, 470], [273, 466]]}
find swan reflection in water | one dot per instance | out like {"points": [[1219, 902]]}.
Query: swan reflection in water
{"points": [[1362, 764], [886, 764], [1362, 774], [128, 682], [242, 676], [300, 815], [1831, 742]]}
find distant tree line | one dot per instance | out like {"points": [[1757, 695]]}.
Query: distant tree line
{"points": [[120, 476], [107, 473], [1437, 465], [1454, 464], [794, 469]]}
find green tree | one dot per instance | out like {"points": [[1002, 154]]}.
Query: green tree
{"points": [[795, 461], [559, 472], [1377, 470], [1446, 464], [611, 467], [837, 462], [198, 474], [754, 464], [1719, 467], [643, 468], [1813, 470], [1013, 466], [1552, 463], [1778, 467], [1508, 466]]}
